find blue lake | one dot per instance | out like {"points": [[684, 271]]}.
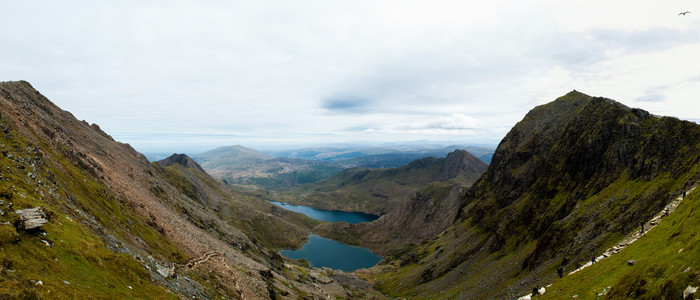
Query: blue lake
{"points": [[329, 215], [323, 252]]}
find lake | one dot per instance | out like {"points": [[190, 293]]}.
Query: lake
{"points": [[329, 215], [323, 252]]}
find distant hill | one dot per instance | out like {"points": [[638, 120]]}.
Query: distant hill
{"points": [[382, 157], [239, 165], [230, 156], [378, 191]]}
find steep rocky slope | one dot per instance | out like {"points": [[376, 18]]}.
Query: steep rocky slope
{"points": [[568, 181], [265, 222], [379, 191], [116, 229]]}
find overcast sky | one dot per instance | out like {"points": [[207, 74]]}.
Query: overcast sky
{"points": [[179, 76]]}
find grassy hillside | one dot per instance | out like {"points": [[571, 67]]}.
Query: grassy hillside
{"points": [[66, 258], [119, 227], [666, 262], [567, 182]]}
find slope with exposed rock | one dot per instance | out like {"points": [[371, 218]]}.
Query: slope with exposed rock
{"points": [[567, 182], [265, 222], [115, 228]]}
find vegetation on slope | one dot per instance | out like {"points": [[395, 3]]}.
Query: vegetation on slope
{"points": [[118, 230], [65, 258], [567, 182], [665, 263]]}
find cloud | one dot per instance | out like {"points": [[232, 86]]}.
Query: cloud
{"points": [[653, 95], [278, 71], [455, 122], [346, 104]]}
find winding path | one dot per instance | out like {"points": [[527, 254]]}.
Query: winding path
{"points": [[205, 257], [632, 237]]}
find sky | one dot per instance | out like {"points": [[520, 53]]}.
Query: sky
{"points": [[187, 76]]}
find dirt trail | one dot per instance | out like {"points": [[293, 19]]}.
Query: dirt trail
{"points": [[629, 239], [637, 234], [205, 257]]}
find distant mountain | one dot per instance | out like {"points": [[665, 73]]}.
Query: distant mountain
{"points": [[230, 156], [244, 166], [382, 157], [378, 191]]}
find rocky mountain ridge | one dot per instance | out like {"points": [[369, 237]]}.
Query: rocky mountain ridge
{"points": [[116, 228], [568, 181]]}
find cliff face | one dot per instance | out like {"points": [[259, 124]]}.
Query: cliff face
{"points": [[462, 166], [118, 229], [569, 180]]}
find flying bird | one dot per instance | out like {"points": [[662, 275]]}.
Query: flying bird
{"points": [[684, 13]]}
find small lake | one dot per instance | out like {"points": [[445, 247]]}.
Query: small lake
{"points": [[329, 215], [323, 252]]}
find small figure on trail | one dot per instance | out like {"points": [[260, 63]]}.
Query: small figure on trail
{"points": [[683, 194], [560, 271], [535, 291], [592, 259], [666, 210], [642, 230]]}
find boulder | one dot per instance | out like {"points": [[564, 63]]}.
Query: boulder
{"points": [[31, 218], [689, 292]]}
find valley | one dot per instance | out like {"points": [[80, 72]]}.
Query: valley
{"points": [[575, 178]]}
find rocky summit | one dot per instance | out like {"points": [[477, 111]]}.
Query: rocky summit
{"points": [[567, 182]]}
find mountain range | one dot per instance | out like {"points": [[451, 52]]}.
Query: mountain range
{"points": [[379, 191], [579, 178]]}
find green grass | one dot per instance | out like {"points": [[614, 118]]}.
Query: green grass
{"points": [[71, 197], [666, 262]]}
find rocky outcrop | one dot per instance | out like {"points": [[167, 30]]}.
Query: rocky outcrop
{"points": [[183, 160], [462, 165], [31, 218]]}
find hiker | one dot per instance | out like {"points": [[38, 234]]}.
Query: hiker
{"points": [[560, 271], [666, 209], [592, 259], [535, 291], [683, 194], [642, 231]]}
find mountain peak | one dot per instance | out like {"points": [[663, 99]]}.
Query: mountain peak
{"points": [[183, 160], [461, 163]]}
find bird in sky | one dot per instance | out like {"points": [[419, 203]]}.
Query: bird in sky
{"points": [[684, 13]]}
